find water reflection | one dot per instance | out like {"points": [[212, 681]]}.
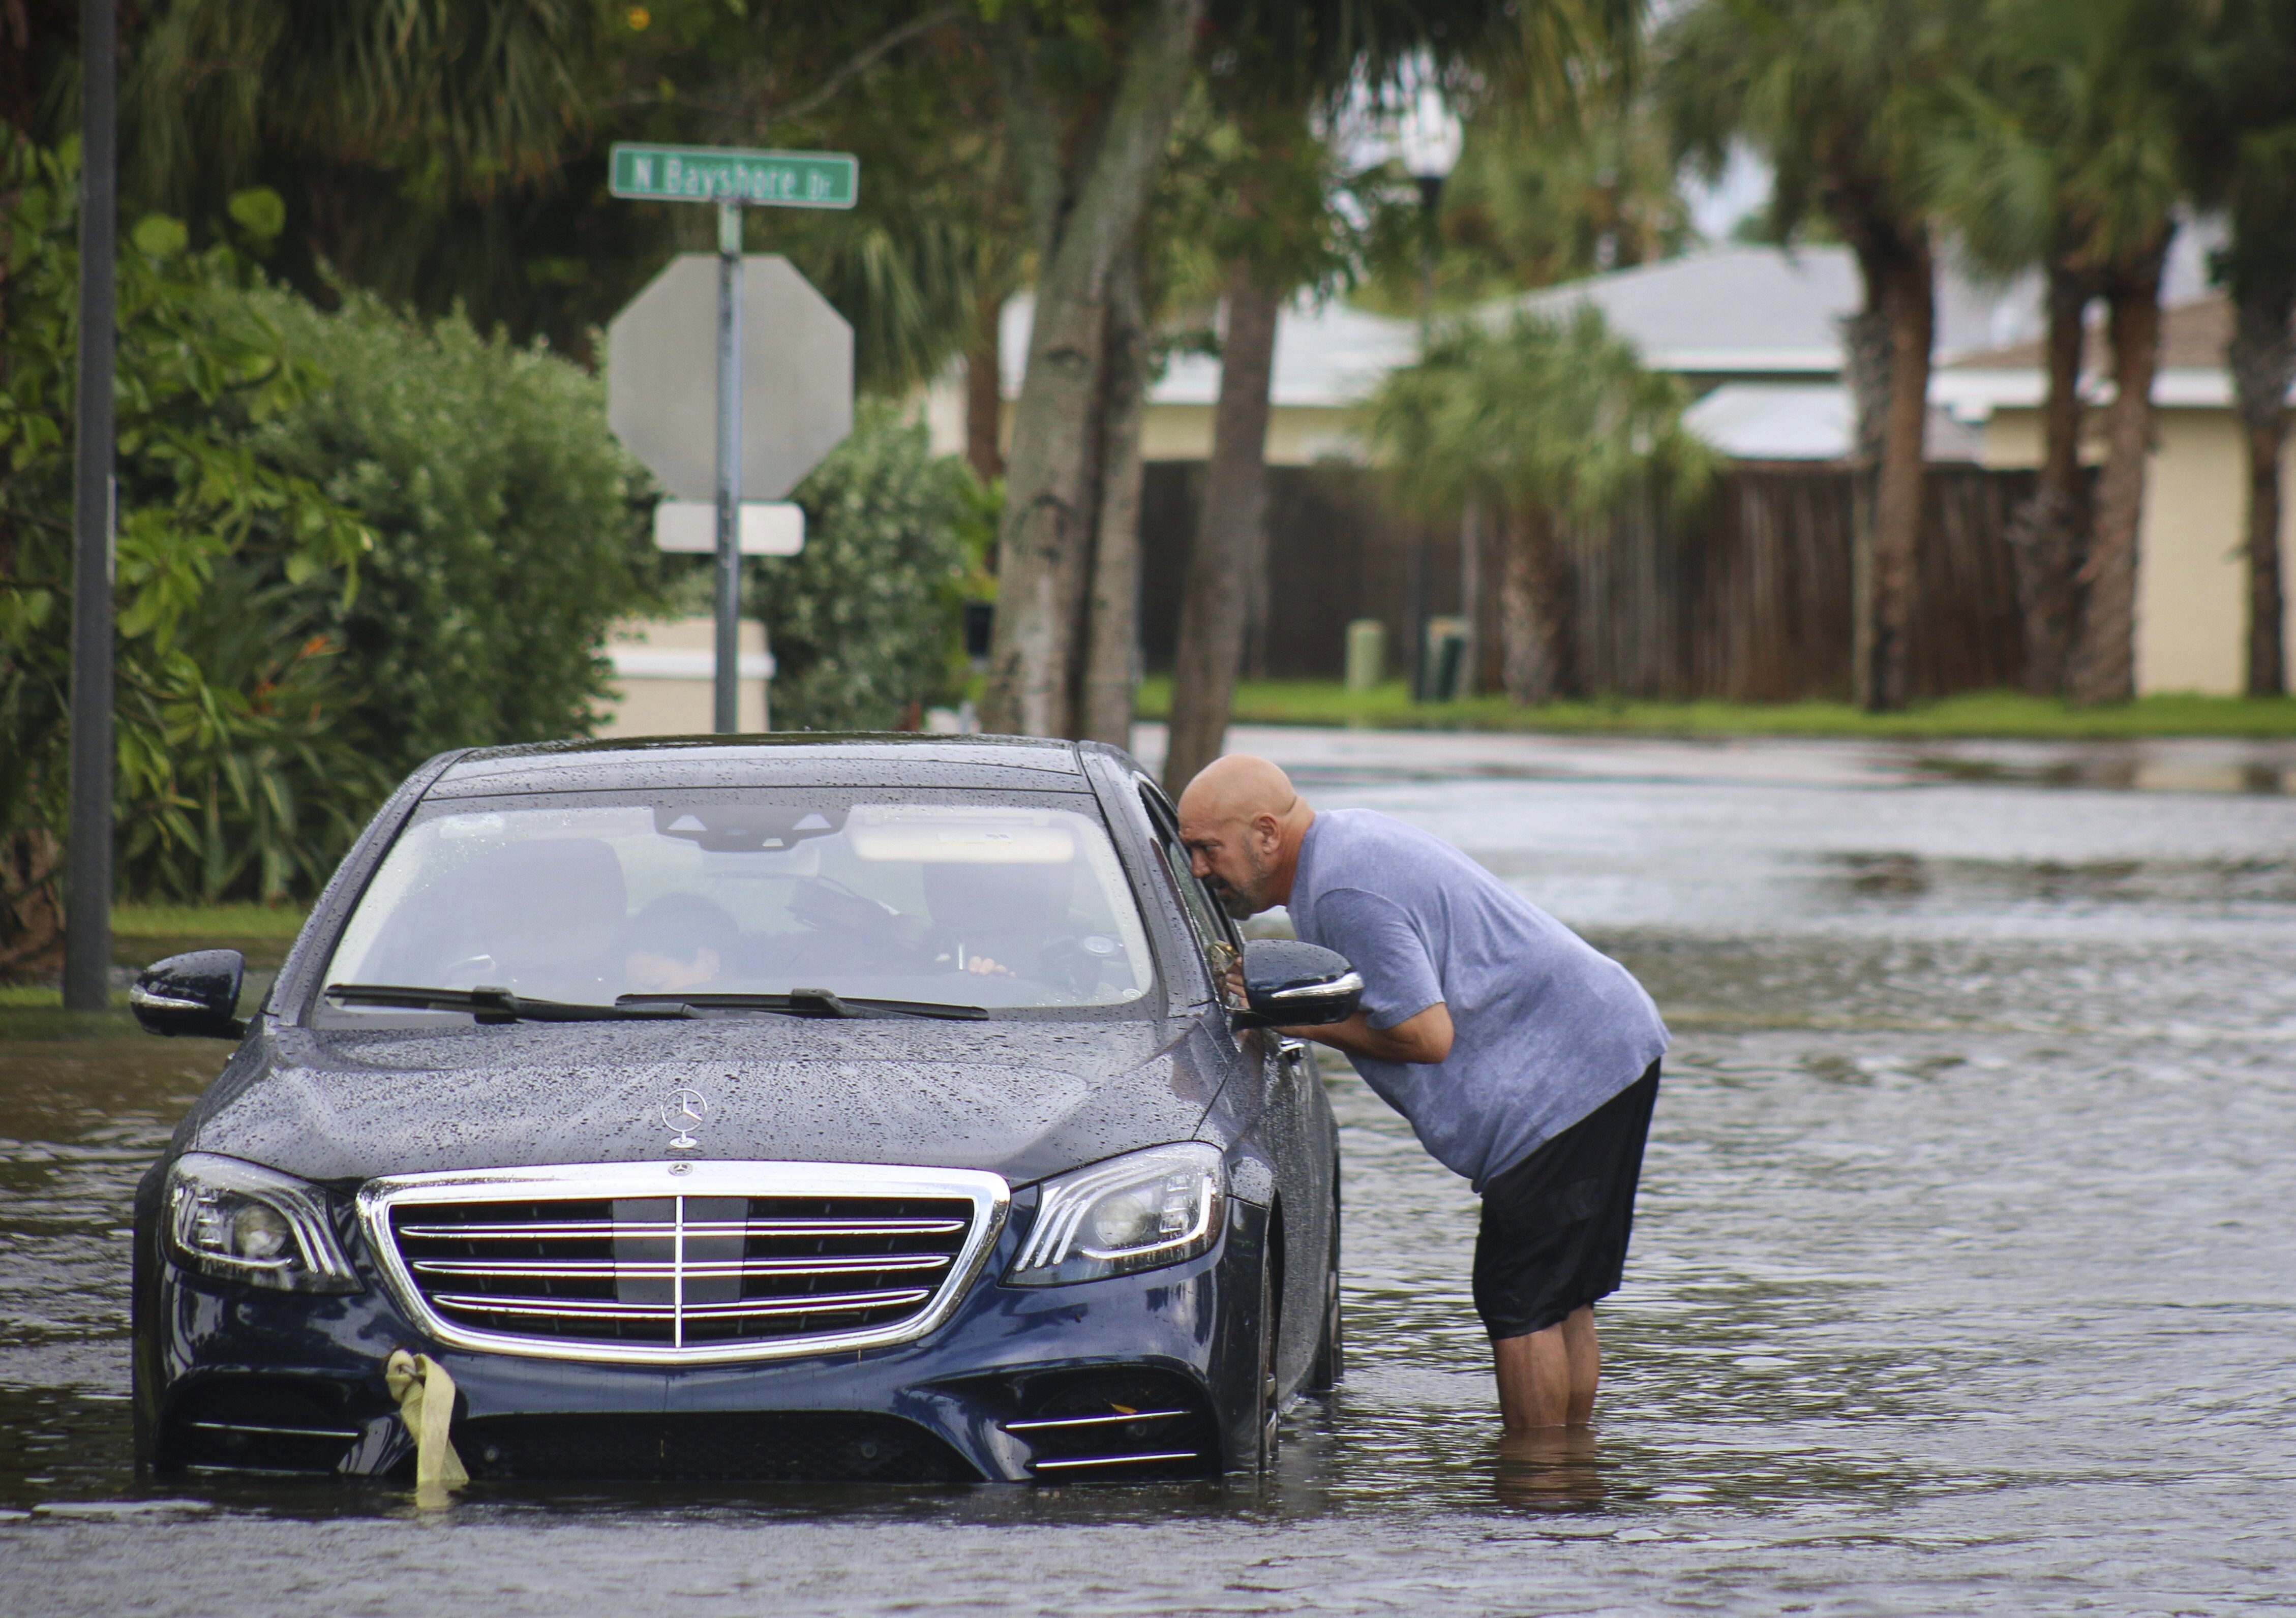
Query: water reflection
{"points": [[1559, 1469]]}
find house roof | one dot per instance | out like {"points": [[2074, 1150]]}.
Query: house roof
{"points": [[1763, 310], [1326, 354], [2192, 374], [2193, 337], [1730, 313]]}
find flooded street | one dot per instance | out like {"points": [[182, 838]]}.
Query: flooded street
{"points": [[1963, 1277]]}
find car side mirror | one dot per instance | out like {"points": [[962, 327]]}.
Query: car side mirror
{"points": [[195, 993], [1287, 984]]}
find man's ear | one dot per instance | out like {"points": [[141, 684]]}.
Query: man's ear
{"points": [[1268, 828]]}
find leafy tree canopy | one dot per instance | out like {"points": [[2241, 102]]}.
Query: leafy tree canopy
{"points": [[510, 526]]}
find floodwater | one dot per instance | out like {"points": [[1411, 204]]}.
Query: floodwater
{"points": [[1962, 1279]]}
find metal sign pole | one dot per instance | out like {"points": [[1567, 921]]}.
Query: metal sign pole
{"points": [[729, 468], [87, 870]]}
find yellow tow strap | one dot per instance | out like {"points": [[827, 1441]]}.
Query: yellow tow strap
{"points": [[426, 1404]]}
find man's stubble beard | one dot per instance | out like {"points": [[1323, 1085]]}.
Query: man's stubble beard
{"points": [[1244, 903]]}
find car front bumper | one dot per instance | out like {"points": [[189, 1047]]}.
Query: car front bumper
{"points": [[1018, 1384]]}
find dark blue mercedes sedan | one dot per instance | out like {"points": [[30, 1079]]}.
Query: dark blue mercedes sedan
{"points": [[801, 1108]]}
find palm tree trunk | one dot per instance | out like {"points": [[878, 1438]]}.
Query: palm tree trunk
{"points": [[1050, 497], [1215, 597], [984, 394], [1112, 611], [2045, 535], [1909, 302], [1865, 356], [2104, 659], [2262, 359], [1534, 594]]}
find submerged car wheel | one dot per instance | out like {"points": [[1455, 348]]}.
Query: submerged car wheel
{"points": [[1271, 1407]]}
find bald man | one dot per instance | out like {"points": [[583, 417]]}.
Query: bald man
{"points": [[1524, 1059]]}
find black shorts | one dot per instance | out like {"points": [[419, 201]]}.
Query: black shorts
{"points": [[1555, 1225]]}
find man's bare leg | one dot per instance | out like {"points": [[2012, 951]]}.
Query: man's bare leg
{"points": [[1585, 1364], [1548, 1378]]}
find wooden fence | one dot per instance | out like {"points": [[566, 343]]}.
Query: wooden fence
{"points": [[1746, 598]]}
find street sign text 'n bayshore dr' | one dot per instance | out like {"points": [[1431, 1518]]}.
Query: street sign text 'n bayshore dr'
{"points": [[728, 174]]}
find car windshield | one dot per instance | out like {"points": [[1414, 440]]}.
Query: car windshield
{"points": [[977, 899]]}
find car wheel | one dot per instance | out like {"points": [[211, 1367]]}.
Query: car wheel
{"points": [[1271, 1304], [1331, 1359]]}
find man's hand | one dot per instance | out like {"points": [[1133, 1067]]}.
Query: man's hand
{"points": [[1422, 1038]]}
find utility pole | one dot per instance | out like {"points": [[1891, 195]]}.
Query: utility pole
{"points": [[87, 850]]}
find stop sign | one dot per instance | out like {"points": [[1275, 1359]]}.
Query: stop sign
{"points": [[797, 376]]}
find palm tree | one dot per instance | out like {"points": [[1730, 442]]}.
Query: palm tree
{"points": [[408, 137], [1260, 205], [1547, 426], [1831, 92], [2053, 147], [2060, 144], [2241, 100], [1092, 90], [1279, 232]]}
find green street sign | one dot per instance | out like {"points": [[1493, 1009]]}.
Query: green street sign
{"points": [[728, 174]]}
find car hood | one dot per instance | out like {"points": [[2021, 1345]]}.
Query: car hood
{"points": [[1023, 1099]]}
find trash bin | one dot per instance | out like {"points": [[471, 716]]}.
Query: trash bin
{"points": [[1366, 655], [1446, 659]]}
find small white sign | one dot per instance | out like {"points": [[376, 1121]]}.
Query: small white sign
{"points": [[774, 528]]}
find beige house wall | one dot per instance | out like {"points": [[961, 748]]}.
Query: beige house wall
{"points": [[644, 700], [2191, 585], [1298, 435]]}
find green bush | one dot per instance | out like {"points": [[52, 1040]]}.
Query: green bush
{"points": [[864, 622], [509, 528], [345, 541], [235, 775]]}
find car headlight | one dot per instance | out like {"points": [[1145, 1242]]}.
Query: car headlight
{"points": [[253, 1224], [1132, 1212]]}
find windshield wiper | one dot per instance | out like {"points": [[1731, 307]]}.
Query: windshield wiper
{"points": [[492, 1005], [806, 1002]]}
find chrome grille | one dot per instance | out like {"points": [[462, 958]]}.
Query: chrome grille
{"points": [[683, 1261]]}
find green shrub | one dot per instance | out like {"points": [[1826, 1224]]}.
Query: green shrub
{"points": [[509, 528], [236, 775], [864, 622]]}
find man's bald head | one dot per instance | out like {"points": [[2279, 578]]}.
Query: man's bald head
{"points": [[1243, 820], [1237, 787]]}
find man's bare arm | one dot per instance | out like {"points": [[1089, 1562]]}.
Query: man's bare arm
{"points": [[1423, 1037]]}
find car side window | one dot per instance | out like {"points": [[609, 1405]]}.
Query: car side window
{"points": [[1214, 936]]}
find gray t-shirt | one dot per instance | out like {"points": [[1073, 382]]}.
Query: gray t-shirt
{"points": [[1546, 1028]]}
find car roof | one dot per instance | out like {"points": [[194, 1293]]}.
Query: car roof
{"points": [[785, 759]]}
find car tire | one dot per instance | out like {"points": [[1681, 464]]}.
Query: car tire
{"points": [[1330, 1363], [1269, 1406]]}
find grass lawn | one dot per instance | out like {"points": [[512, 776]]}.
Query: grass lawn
{"points": [[141, 933], [280, 921], [1991, 713]]}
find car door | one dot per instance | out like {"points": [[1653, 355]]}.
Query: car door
{"points": [[1293, 1126]]}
